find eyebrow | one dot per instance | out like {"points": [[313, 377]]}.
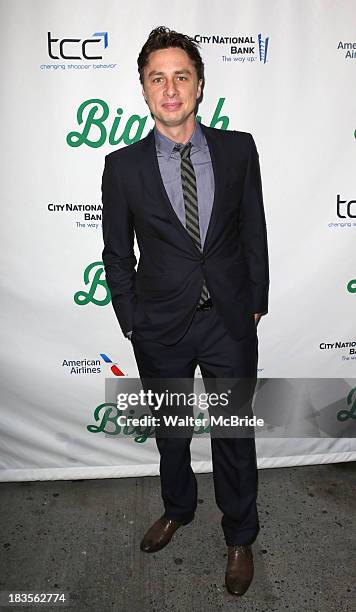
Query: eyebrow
{"points": [[159, 72]]}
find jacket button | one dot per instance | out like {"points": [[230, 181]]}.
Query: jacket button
{"points": [[202, 260]]}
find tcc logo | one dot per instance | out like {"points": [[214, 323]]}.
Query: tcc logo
{"points": [[69, 44], [351, 286], [345, 209]]}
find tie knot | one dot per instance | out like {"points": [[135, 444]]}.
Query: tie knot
{"points": [[184, 150]]}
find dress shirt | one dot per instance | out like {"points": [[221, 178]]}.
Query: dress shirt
{"points": [[169, 164]]}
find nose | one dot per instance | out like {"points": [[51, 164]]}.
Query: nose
{"points": [[170, 89]]}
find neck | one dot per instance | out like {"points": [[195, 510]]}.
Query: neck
{"points": [[177, 133]]}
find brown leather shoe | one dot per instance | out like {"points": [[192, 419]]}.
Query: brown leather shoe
{"points": [[160, 534], [239, 570]]}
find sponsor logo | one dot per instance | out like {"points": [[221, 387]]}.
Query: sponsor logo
{"points": [[88, 51], [94, 276], [344, 415], [345, 209], [90, 366], [347, 49], [113, 367], [83, 49], [262, 48], [348, 348], [89, 214], [107, 415], [351, 286], [82, 366], [238, 48], [97, 127], [336, 345]]}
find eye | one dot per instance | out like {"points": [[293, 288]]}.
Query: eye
{"points": [[157, 80], [182, 78]]}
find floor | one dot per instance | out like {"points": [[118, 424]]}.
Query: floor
{"points": [[82, 538]]}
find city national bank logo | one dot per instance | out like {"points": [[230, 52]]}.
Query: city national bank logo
{"points": [[350, 413], [85, 216], [98, 292], [87, 50], [238, 48], [347, 347]]}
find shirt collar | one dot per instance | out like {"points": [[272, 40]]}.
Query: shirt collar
{"points": [[165, 146]]}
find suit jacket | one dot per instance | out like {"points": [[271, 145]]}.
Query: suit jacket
{"points": [[158, 300]]}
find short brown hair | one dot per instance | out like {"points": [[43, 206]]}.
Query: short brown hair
{"points": [[163, 38]]}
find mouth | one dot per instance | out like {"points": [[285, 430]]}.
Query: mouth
{"points": [[172, 106]]}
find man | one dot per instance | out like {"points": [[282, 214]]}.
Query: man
{"points": [[193, 197]]}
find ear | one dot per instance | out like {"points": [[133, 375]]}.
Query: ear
{"points": [[200, 83]]}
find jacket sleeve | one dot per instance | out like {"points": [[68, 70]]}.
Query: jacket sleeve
{"points": [[118, 254], [253, 233]]}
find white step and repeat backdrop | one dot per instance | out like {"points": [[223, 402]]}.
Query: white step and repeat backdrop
{"points": [[284, 71]]}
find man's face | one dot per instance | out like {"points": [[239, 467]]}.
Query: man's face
{"points": [[171, 86]]}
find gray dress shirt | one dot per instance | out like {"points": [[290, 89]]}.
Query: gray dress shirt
{"points": [[169, 164]]}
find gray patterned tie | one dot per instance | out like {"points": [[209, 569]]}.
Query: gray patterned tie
{"points": [[189, 187]]}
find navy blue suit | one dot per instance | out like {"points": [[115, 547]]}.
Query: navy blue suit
{"points": [[158, 302], [159, 299]]}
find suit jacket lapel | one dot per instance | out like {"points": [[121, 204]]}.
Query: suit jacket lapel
{"points": [[152, 177], [216, 154]]}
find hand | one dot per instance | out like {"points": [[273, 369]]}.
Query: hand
{"points": [[257, 317]]}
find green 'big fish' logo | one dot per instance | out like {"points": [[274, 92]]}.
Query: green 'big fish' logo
{"points": [[93, 114], [93, 274], [344, 415], [106, 417]]}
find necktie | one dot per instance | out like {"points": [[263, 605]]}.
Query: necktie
{"points": [[189, 188]]}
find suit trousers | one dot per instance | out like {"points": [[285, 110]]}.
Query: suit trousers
{"points": [[207, 344]]}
